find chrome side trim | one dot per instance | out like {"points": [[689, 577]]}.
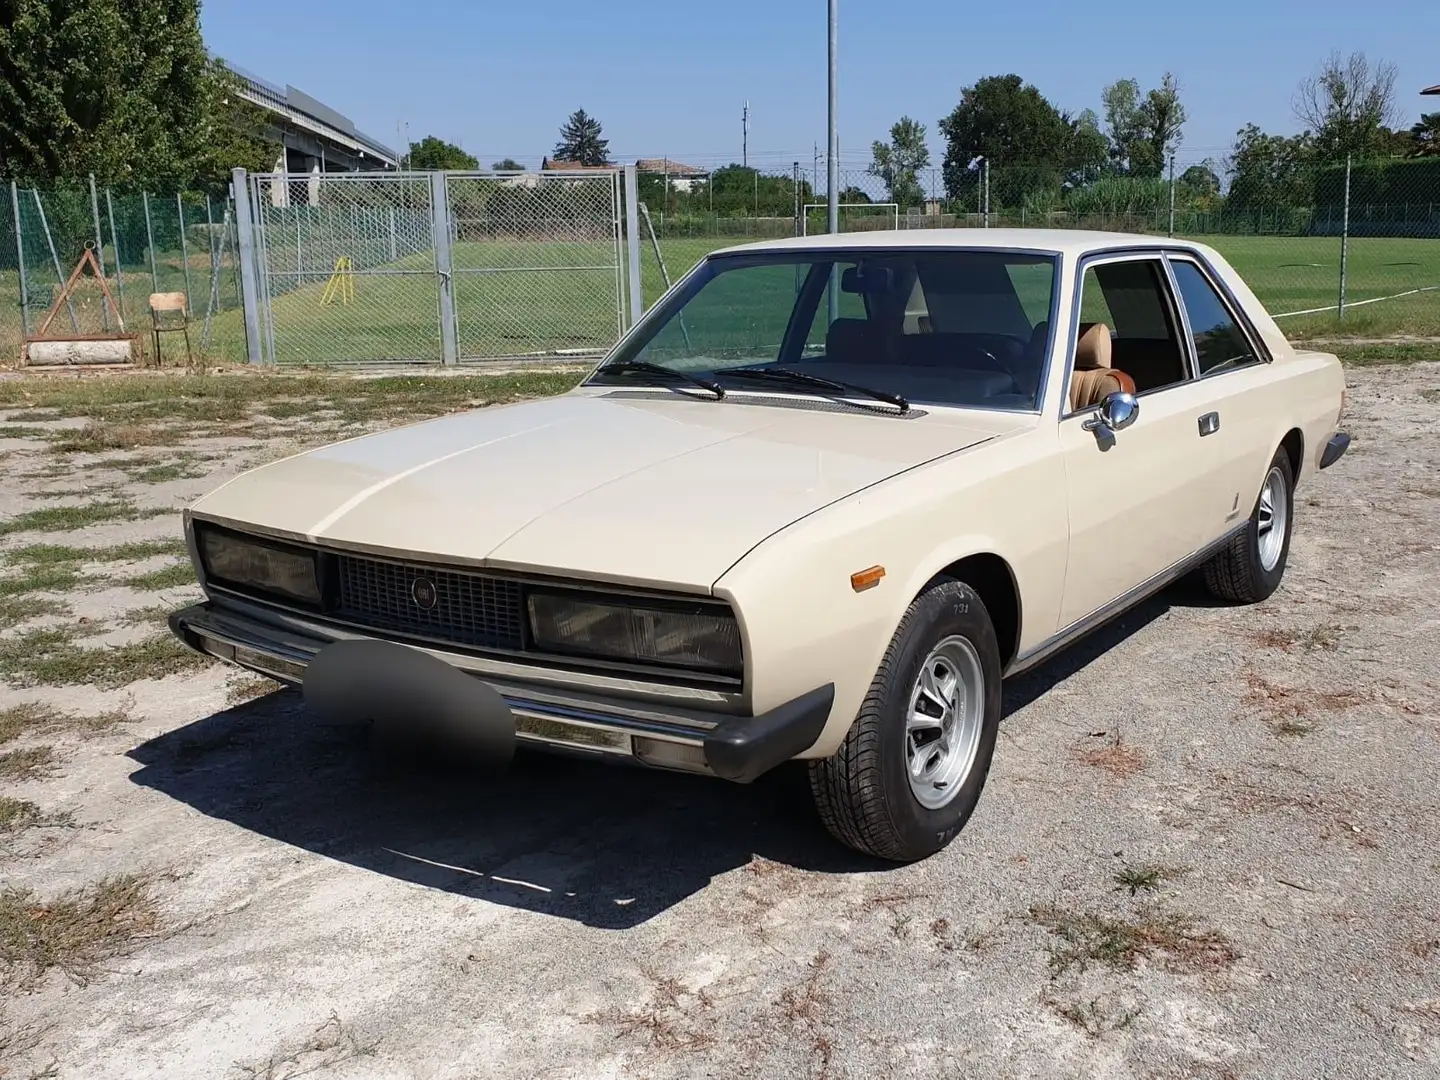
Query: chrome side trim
{"points": [[1101, 615]]}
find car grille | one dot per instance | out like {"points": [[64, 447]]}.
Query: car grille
{"points": [[450, 606]]}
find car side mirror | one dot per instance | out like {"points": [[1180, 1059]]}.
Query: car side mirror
{"points": [[1117, 412]]}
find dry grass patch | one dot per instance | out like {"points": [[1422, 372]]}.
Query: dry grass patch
{"points": [[248, 688], [66, 518], [168, 577], [52, 658], [1293, 710], [671, 1019], [99, 436], [35, 718], [76, 931], [1117, 758], [28, 763], [1173, 940]]}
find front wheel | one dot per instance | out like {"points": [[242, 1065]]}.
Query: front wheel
{"points": [[910, 771], [1250, 567]]}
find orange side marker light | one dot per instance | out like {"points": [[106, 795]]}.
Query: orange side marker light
{"points": [[866, 579]]}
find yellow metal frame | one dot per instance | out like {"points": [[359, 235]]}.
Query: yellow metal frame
{"points": [[341, 284]]}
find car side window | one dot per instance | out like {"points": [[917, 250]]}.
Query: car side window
{"points": [[1129, 301], [1220, 344]]}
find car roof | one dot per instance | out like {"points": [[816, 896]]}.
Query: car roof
{"points": [[1049, 241]]}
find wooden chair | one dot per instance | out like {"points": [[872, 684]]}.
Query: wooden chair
{"points": [[169, 303]]}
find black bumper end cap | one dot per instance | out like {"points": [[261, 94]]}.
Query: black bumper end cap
{"points": [[744, 748], [1334, 449]]}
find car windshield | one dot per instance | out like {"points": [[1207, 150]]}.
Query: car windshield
{"points": [[961, 327]]}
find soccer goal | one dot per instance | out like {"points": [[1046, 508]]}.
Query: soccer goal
{"points": [[857, 217]]}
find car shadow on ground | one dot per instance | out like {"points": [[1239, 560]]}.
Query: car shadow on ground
{"points": [[607, 845]]}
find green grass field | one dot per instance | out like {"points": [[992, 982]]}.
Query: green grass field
{"points": [[514, 299]]}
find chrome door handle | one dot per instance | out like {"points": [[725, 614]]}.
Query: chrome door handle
{"points": [[1209, 424]]}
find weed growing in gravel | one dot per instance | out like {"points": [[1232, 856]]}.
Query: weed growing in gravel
{"points": [[65, 518], [16, 815], [76, 930], [169, 577], [28, 764], [1291, 711], [1146, 877], [52, 658], [1172, 939], [24, 431], [1095, 1017], [34, 718], [672, 1018], [248, 688], [162, 472], [98, 436]]}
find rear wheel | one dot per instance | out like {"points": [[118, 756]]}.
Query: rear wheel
{"points": [[1252, 564], [910, 771]]}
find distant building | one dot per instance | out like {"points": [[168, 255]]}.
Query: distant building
{"points": [[549, 165], [681, 177]]}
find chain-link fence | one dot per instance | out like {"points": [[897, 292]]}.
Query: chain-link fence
{"points": [[144, 243], [433, 267]]}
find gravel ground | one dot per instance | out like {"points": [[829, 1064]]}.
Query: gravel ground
{"points": [[1209, 847]]}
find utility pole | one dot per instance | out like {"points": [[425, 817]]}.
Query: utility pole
{"points": [[832, 170], [745, 136]]}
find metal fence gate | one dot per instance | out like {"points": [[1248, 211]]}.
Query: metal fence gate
{"points": [[432, 267]]}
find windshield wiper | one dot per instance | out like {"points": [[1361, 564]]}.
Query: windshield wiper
{"points": [[790, 375], [665, 372]]}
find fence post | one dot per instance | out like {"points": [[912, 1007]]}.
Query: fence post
{"points": [[632, 241], [184, 249], [99, 249], [249, 273], [444, 265], [1172, 195], [150, 243], [987, 193], [115, 243], [20, 257], [55, 258], [1344, 240]]}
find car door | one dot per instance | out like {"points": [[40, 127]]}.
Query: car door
{"points": [[1138, 498], [1243, 392]]}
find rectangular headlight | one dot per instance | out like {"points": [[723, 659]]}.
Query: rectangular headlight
{"points": [[698, 637], [260, 567]]}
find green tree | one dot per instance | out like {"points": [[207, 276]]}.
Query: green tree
{"points": [[507, 165], [1143, 129], [1199, 181], [433, 153], [899, 161], [238, 134], [580, 141], [1123, 126], [114, 87], [1031, 145], [1425, 135], [1348, 106], [1270, 171]]}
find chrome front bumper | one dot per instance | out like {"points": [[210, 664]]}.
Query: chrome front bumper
{"points": [[733, 747]]}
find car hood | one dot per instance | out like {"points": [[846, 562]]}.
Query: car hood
{"points": [[639, 488]]}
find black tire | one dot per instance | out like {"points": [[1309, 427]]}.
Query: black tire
{"points": [[1238, 573], [863, 792]]}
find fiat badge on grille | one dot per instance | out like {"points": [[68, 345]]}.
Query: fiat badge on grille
{"points": [[422, 591]]}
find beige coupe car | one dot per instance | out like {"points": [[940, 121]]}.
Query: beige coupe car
{"points": [[814, 506]]}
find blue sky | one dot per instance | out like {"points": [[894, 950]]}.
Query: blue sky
{"points": [[669, 79]]}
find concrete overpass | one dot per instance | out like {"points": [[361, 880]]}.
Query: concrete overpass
{"points": [[316, 138]]}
